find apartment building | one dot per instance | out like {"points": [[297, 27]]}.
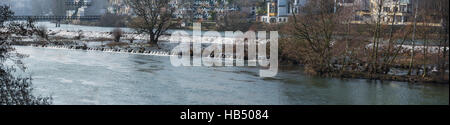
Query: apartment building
{"points": [[278, 11], [367, 11], [399, 11], [96, 8], [118, 7]]}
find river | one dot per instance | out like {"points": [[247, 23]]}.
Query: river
{"points": [[101, 78]]}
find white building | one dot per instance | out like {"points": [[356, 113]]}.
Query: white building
{"points": [[278, 11], [400, 10], [85, 7], [119, 7]]}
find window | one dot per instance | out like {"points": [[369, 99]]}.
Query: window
{"points": [[386, 9], [403, 8]]}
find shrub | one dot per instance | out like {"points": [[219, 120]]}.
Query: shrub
{"points": [[42, 32], [119, 44], [117, 34], [5, 13], [80, 35], [132, 39], [18, 91], [15, 90]]}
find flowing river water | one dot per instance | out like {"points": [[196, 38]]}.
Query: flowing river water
{"points": [[94, 77]]}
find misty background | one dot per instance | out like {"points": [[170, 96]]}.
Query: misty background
{"points": [[52, 7]]}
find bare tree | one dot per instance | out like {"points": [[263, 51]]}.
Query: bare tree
{"points": [[433, 12], [5, 13], [411, 63], [443, 15], [346, 17], [376, 37], [324, 40], [42, 32], [154, 17], [15, 90], [385, 54], [315, 29]]}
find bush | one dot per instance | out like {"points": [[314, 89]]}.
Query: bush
{"points": [[5, 13], [21, 28], [132, 39], [80, 35], [15, 90], [42, 32], [117, 34], [18, 91], [118, 44]]}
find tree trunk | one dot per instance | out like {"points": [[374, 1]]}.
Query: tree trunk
{"points": [[153, 40], [411, 63]]}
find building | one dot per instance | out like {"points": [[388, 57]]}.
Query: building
{"points": [[96, 8], [85, 7], [58, 7], [297, 5], [367, 11], [118, 7], [201, 10], [361, 9], [398, 10], [278, 11]]}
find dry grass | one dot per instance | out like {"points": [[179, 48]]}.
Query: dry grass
{"points": [[117, 44], [102, 39]]}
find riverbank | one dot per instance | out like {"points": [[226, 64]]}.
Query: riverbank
{"points": [[400, 75], [401, 78]]}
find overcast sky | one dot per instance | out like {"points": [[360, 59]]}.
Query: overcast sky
{"points": [[20, 7]]}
